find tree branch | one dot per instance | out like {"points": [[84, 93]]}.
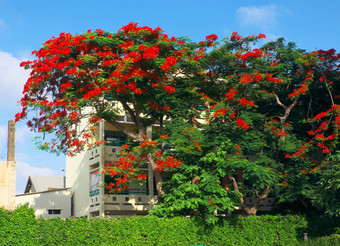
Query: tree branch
{"points": [[235, 185], [140, 127], [287, 109], [127, 108], [261, 197], [125, 130], [324, 78], [279, 102], [157, 175]]}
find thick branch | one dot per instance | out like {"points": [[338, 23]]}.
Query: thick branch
{"points": [[157, 175], [261, 197], [127, 108], [324, 79], [126, 130], [140, 127], [235, 186], [287, 109], [279, 102]]}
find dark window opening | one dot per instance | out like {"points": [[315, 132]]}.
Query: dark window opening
{"points": [[114, 138], [54, 211]]}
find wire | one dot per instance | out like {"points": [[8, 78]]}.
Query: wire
{"points": [[4, 148]]}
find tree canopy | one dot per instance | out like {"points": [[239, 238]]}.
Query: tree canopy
{"points": [[241, 117]]}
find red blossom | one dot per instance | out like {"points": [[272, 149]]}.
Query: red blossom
{"points": [[220, 112], [169, 62], [229, 96], [211, 36], [169, 89], [125, 146], [241, 123], [244, 102], [246, 79]]}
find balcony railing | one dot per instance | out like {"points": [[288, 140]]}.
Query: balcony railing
{"points": [[94, 192], [130, 191]]}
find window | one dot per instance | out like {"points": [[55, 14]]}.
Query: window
{"points": [[114, 138], [54, 211], [94, 181]]}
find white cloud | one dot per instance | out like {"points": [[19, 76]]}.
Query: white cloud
{"points": [[22, 133], [24, 170], [263, 16], [12, 79], [22, 136]]}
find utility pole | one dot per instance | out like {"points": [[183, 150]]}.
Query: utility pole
{"points": [[11, 141], [8, 171]]}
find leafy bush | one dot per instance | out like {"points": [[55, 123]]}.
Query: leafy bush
{"points": [[20, 227]]}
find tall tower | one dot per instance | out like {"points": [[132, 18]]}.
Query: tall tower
{"points": [[8, 171]]}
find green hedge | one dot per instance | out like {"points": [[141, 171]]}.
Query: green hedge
{"points": [[20, 227]]}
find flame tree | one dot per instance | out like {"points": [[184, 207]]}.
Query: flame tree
{"points": [[270, 120], [75, 78], [240, 120]]}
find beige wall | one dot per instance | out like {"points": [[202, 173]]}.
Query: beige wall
{"points": [[43, 201], [78, 178], [7, 184]]}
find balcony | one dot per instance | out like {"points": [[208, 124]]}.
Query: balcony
{"points": [[129, 202], [93, 155]]}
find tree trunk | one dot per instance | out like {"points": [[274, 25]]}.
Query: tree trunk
{"points": [[253, 210], [157, 175]]}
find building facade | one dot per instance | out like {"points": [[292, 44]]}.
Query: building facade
{"points": [[89, 196]]}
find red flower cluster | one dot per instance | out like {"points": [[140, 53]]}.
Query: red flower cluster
{"points": [[246, 79], [278, 132], [244, 102], [125, 146], [169, 62], [256, 53], [93, 93], [235, 37], [198, 146], [158, 107], [151, 52], [169, 89], [149, 144], [241, 123], [303, 86], [324, 148], [261, 35], [169, 162], [220, 112], [211, 36], [229, 96]]}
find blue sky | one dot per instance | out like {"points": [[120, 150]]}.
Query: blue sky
{"points": [[26, 25]]}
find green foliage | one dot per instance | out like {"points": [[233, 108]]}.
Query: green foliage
{"points": [[327, 192], [243, 121], [324, 241], [20, 227]]}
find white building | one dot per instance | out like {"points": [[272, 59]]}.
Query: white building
{"points": [[48, 196], [81, 192], [89, 196]]}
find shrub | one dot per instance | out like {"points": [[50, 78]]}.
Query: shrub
{"points": [[20, 227]]}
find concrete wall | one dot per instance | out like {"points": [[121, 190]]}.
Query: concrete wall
{"points": [[78, 178], [44, 201], [7, 184]]}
